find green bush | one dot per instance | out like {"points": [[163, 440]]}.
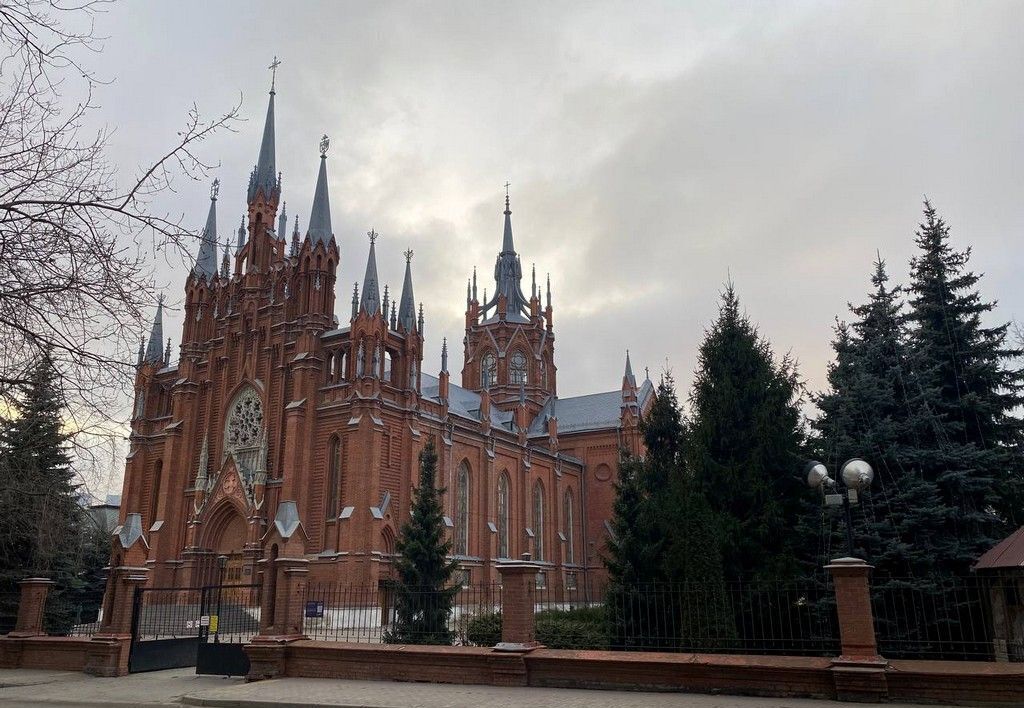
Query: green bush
{"points": [[484, 630], [579, 628]]}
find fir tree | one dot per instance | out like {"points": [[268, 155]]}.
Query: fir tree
{"points": [[966, 383], [39, 511], [868, 412], [744, 439], [423, 596]]}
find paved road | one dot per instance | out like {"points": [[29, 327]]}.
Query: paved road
{"points": [[180, 686]]}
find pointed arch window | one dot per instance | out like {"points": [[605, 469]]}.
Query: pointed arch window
{"points": [[488, 371], [567, 518], [517, 370], [333, 478], [538, 521], [503, 515], [462, 511]]}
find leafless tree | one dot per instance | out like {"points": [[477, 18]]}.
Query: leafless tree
{"points": [[74, 233]]}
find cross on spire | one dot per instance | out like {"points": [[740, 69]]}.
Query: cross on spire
{"points": [[373, 235], [273, 72], [325, 143], [408, 255], [507, 185], [215, 188]]}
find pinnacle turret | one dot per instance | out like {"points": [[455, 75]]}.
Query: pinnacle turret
{"points": [[407, 305], [508, 274], [282, 223], [154, 350], [206, 260], [320, 217], [370, 302]]}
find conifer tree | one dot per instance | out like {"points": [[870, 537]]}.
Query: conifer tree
{"points": [[744, 444], [868, 412], [423, 596], [39, 511], [967, 384]]}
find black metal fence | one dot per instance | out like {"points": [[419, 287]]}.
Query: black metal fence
{"points": [[376, 614], [946, 618]]}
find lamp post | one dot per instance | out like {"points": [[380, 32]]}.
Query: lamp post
{"points": [[855, 476], [222, 563]]}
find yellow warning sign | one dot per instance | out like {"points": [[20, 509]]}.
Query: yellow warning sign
{"points": [[213, 624]]}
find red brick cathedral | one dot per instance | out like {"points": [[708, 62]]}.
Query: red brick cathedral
{"points": [[274, 400]]}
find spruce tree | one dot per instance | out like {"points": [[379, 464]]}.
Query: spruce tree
{"points": [[868, 412], [39, 511], [743, 445], [423, 596], [966, 382]]}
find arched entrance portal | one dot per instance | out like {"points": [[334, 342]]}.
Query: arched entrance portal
{"points": [[227, 534]]}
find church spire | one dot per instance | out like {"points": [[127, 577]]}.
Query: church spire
{"points": [[206, 261], [264, 176], [628, 377], [241, 235], [154, 350], [370, 303], [320, 218], [407, 306], [508, 274]]}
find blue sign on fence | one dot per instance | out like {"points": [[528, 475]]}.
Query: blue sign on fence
{"points": [[315, 608]]}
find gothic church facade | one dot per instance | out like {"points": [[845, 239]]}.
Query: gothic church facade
{"points": [[272, 401]]}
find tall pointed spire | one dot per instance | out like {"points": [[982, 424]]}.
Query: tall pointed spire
{"points": [[264, 176], [154, 350], [444, 355], [407, 306], [225, 263], [628, 376], [370, 303], [320, 218], [508, 274], [206, 261]]}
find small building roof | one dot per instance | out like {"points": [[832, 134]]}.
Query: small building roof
{"points": [[1008, 553], [596, 411]]}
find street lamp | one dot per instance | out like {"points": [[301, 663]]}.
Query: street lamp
{"points": [[855, 476]]}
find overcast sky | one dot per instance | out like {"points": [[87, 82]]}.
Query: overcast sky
{"points": [[654, 150]]}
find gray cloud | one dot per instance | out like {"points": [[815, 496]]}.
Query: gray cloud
{"points": [[653, 149]]}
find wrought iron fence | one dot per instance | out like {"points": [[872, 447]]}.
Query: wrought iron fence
{"points": [[384, 613], [236, 609], [943, 618], [167, 613], [749, 618]]}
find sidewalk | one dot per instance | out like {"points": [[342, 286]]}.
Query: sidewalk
{"points": [[182, 687]]}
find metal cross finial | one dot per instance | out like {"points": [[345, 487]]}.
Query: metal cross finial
{"points": [[408, 255], [373, 235], [273, 71], [215, 188], [325, 143], [507, 185]]}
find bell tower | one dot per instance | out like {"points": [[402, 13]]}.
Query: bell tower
{"points": [[510, 342]]}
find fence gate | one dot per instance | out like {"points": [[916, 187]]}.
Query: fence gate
{"points": [[229, 618], [165, 626]]}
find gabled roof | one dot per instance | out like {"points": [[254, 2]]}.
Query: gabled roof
{"points": [[1008, 553], [596, 411]]}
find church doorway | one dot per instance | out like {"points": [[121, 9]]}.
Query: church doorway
{"points": [[228, 535]]}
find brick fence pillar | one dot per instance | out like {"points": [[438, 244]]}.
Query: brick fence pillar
{"points": [[31, 607], [859, 672], [518, 603]]}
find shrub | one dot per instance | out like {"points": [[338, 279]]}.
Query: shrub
{"points": [[579, 628]]}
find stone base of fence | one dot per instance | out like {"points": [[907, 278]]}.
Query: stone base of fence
{"points": [[59, 653], [770, 676], [107, 655]]}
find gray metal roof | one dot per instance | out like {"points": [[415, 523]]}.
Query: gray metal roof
{"points": [[596, 411], [264, 176], [320, 217], [206, 261], [464, 403]]}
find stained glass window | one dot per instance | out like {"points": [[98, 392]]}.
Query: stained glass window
{"points": [[333, 478], [538, 521], [517, 369], [567, 514], [488, 371]]}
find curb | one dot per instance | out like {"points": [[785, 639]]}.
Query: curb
{"points": [[251, 703]]}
